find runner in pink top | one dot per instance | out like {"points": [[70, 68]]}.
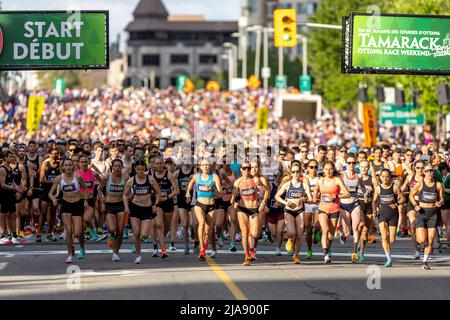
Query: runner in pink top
{"points": [[89, 177]]}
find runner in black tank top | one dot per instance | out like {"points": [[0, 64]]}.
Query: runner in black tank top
{"points": [[407, 187], [184, 207], [169, 190], [49, 171], [389, 196], [431, 198]]}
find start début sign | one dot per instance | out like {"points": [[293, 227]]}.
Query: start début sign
{"points": [[31, 40]]}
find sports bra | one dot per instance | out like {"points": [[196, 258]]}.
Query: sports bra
{"points": [[73, 186], [205, 188], [115, 189], [88, 178], [249, 190]]}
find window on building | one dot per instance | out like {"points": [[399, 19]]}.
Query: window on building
{"points": [[129, 60], [150, 60], [158, 82], [208, 59], [179, 59], [173, 81], [305, 8]]}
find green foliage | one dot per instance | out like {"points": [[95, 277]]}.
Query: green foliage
{"points": [[199, 83]]}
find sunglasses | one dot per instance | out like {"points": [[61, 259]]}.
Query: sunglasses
{"points": [[351, 162], [313, 167], [419, 168], [295, 171], [72, 150], [429, 171], [246, 168], [304, 151]]}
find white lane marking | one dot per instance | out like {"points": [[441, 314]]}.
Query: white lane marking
{"points": [[3, 265], [21, 246], [11, 254]]}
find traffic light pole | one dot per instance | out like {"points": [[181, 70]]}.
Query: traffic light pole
{"points": [[280, 61]]}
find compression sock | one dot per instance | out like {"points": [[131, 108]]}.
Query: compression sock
{"points": [[388, 256], [155, 246], [425, 258]]}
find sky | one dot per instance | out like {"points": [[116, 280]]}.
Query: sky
{"points": [[121, 11]]}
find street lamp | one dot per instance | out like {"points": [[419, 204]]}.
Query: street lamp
{"points": [[258, 29], [230, 71], [234, 53]]}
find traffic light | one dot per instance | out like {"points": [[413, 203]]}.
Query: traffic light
{"points": [[285, 26]]}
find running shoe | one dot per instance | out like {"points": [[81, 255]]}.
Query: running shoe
{"points": [[247, 262], [5, 240], [111, 241], [238, 237], [172, 248], [329, 253], [296, 260], [327, 259], [21, 234], [102, 237], [361, 257], [50, 238], [213, 254], [388, 263], [115, 257], [125, 235], [69, 259], [155, 253], [309, 255], [164, 254], [342, 239], [186, 250], [226, 235], [81, 254], [253, 256], [416, 255], [196, 249], [133, 249], [138, 260], [289, 245], [202, 255], [27, 231], [192, 233], [180, 232], [38, 238], [317, 236], [372, 240], [278, 252], [148, 240], [232, 247], [14, 240], [220, 242], [94, 235], [425, 266], [355, 258]]}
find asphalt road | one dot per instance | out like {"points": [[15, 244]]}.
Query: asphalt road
{"points": [[38, 271]]}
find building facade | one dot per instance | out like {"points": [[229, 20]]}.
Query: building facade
{"points": [[160, 47]]}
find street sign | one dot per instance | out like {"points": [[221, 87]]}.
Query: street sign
{"points": [[395, 116], [305, 83], [262, 121], [281, 82], [181, 81], [59, 84], [265, 73], [34, 115]]}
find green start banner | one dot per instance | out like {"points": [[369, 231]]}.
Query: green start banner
{"points": [[35, 40], [406, 44]]}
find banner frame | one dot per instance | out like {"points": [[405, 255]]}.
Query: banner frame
{"points": [[348, 68], [85, 67]]}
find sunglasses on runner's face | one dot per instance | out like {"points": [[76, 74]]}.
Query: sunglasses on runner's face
{"points": [[295, 171], [429, 171], [246, 168], [351, 162], [313, 167], [419, 168], [71, 150]]}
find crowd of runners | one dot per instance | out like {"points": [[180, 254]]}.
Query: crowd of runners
{"points": [[216, 195]]}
